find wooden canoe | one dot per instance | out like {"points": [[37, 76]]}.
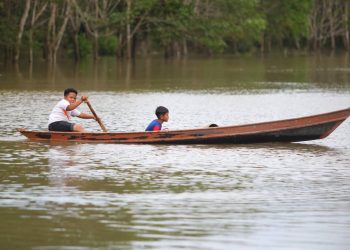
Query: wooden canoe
{"points": [[291, 130]]}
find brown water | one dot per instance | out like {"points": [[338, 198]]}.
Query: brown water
{"points": [[110, 196]]}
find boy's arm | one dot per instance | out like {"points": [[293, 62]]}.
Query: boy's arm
{"points": [[86, 116], [72, 106]]}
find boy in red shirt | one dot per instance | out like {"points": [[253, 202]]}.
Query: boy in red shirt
{"points": [[162, 114]]}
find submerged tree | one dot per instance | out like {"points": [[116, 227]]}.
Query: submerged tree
{"points": [[329, 21], [38, 9], [287, 22], [22, 23], [59, 15]]}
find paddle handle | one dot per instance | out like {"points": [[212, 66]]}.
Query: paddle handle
{"points": [[96, 117]]}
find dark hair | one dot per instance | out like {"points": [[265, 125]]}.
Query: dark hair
{"points": [[70, 90], [161, 111], [213, 125]]}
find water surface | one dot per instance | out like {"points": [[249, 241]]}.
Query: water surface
{"points": [[111, 196]]}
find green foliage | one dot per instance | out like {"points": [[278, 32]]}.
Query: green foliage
{"points": [[220, 26], [7, 29], [209, 35], [169, 21], [85, 46], [287, 19], [230, 21], [108, 45]]}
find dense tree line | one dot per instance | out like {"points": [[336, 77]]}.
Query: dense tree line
{"points": [[175, 28]]}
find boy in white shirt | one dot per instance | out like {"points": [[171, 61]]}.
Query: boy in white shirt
{"points": [[59, 119]]}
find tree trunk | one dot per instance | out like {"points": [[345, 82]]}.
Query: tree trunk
{"points": [[134, 46], [53, 40], [35, 16], [145, 42], [297, 43], [184, 47], [20, 31], [128, 31], [76, 47], [269, 45], [262, 43], [95, 46], [120, 50], [169, 51], [75, 21], [314, 45], [31, 33], [346, 26], [57, 41], [312, 29], [176, 49], [196, 7], [235, 47], [30, 46], [50, 35], [8, 58], [331, 25]]}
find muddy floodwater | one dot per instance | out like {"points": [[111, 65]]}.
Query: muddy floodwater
{"points": [[113, 196]]}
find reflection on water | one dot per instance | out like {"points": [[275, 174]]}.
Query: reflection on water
{"points": [[111, 196], [156, 74], [193, 196], [306, 147]]}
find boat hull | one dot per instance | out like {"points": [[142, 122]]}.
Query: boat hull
{"points": [[291, 130]]}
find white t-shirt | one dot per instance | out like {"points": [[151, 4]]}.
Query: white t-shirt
{"points": [[59, 112]]}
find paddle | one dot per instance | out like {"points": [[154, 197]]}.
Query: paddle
{"points": [[96, 117]]}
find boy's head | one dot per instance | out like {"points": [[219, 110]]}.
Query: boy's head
{"points": [[70, 94], [162, 113]]}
